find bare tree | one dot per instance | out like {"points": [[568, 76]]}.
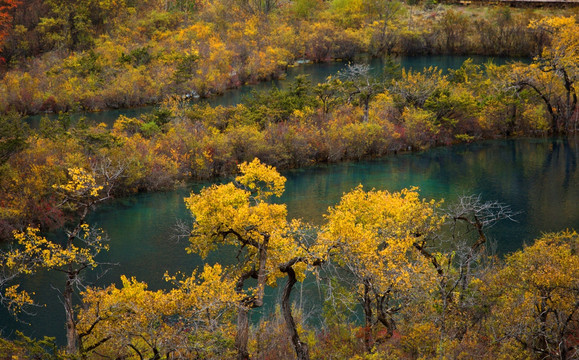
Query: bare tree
{"points": [[469, 219], [361, 86]]}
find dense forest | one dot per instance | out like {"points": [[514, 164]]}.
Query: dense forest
{"points": [[418, 270]]}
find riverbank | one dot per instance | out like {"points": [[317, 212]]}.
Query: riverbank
{"points": [[298, 126], [351, 116], [146, 54], [525, 174]]}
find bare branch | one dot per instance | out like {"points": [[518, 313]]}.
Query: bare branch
{"points": [[471, 208]]}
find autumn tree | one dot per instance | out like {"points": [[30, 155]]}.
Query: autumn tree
{"points": [[372, 235], [73, 23], [239, 214], [72, 256], [415, 87], [553, 74], [82, 246], [188, 321], [15, 300], [6, 19], [537, 299]]}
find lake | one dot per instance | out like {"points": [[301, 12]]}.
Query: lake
{"points": [[536, 177]]}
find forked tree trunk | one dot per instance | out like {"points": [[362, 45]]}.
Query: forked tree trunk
{"points": [[242, 335], [300, 347]]}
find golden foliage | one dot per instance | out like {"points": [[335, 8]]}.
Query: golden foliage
{"points": [[228, 214], [189, 319], [373, 234]]}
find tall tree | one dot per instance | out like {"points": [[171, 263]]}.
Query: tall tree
{"points": [[239, 214], [6, 19], [72, 256]]}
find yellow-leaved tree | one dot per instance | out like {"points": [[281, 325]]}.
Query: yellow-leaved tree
{"points": [[239, 214], [374, 235], [554, 73], [76, 253], [537, 299], [189, 321]]}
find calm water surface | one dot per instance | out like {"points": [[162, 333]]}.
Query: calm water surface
{"points": [[537, 177]]}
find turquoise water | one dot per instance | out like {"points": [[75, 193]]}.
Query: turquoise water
{"points": [[536, 177]]}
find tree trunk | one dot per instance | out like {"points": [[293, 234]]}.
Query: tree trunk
{"points": [[300, 347], [71, 334], [242, 332], [243, 318], [261, 274], [252, 302], [366, 109], [368, 318], [384, 317]]}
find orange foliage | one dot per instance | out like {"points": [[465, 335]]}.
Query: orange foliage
{"points": [[6, 17]]}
